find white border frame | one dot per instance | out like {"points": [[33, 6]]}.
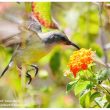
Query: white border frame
{"points": [[54, 0]]}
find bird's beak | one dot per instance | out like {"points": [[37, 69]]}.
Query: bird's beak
{"points": [[73, 44]]}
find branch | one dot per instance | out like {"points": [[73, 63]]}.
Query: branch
{"points": [[102, 33]]}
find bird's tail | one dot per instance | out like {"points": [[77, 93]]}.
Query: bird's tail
{"points": [[10, 62], [6, 68]]}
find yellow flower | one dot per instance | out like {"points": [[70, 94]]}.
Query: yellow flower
{"points": [[80, 60]]}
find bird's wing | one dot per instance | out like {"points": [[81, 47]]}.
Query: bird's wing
{"points": [[23, 36]]}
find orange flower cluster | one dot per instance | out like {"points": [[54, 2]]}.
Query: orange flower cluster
{"points": [[80, 60]]}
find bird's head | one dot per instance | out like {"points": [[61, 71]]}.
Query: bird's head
{"points": [[58, 37]]}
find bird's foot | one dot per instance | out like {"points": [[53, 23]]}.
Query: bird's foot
{"points": [[35, 68], [28, 75]]}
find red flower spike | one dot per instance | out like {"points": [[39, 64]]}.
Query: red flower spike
{"points": [[42, 12]]}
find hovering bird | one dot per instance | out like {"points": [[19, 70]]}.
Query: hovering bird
{"points": [[33, 44]]}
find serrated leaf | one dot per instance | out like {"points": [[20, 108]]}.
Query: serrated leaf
{"points": [[80, 86], [42, 12], [85, 99], [70, 85]]}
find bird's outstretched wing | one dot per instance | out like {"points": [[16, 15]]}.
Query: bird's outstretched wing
{"points": [[11, 38]]}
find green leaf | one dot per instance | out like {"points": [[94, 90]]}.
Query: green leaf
{"points": [[107, 105], [85, 99], [90, 86], [80, 86], [70, 85], [95, 95], [55, 62], [103, 75], [91, 65], [93, 28], [100, 101], [108, 97]]}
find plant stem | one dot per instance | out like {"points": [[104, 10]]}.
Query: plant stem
{"points": [[102, 33]]}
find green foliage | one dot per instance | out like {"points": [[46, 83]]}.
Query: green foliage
{"points": [[88, 85], [71, 85], [85, 99], [100, 102], [95, 95], [80, 86], [55, 61], [103, 74]]}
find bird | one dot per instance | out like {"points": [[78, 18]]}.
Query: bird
{"points": [[32, 44]]}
